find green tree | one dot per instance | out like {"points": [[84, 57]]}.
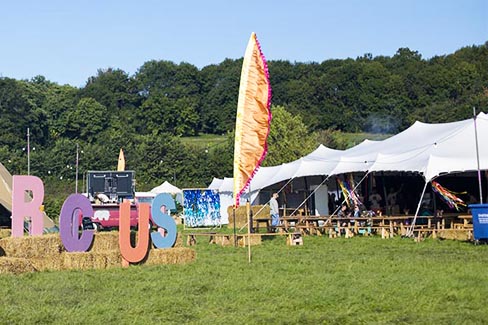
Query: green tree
{"points": [[220, 92], [86, 121], [289, 138], [58, 101], [162, 114], [112, 88], [19, 111]]}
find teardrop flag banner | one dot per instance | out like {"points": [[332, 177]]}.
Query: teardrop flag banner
{"points": [[253, 117], [121, 163]]}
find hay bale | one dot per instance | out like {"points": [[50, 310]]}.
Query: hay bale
{"points": [[454, 234], [178, 255], [258, 211], [179, 240], [51, 263], [113, 258], [91, 260], [105, 241], [14, 265], [100, 260], [32, 246], [77, 260], [4, 233]]}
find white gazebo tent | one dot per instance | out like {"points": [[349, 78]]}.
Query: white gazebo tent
{"points": [[167, 187]]}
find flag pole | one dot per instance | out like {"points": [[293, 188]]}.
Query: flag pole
{"points": [[77, 159], [234, 216], [248, 212], [28, 152], [477, 154]]}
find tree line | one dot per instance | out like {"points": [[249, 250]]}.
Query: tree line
{"points": [[148, 113]]}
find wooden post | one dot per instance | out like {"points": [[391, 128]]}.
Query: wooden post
{"points": [[248, 213], [234, 214]]}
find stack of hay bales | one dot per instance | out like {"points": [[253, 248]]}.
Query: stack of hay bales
{"points": [[104, 253], [42, 252], [257, 211], [46, 252]]}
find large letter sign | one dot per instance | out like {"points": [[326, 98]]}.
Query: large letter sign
{"points": [[69, 223], [129, 253], [27, 200], [21, 208], [163, 220]]}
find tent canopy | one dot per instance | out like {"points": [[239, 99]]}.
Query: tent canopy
{"points": [[428, 149], [5, 188], [166, 187]]}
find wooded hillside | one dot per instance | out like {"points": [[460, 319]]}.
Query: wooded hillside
{"points": [[147, 113]]}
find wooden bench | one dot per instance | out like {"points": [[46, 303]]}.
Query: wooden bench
{"points": [[229, 239], [191, 238], [294, 238], [258, 221]]}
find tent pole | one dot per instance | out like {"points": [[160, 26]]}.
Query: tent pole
{"points": [[477, 154], [387, 205], [306, 191], [434, 200], [337, 188], [410, 231], [315, 190]]}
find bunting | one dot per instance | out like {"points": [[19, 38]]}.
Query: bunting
{"points": [[253, 117]]}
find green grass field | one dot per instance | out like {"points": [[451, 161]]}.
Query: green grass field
{"points": [[205, 140], [336, 281]]}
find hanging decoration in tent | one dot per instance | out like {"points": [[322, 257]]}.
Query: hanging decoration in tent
{"points": [[347, 188], [449, 196], [353, 194], [253, 117]]}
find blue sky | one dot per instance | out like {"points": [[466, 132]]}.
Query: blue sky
{"points": [[67, 41]]}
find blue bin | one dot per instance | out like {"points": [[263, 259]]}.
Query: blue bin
{"points": [[480, 220]]}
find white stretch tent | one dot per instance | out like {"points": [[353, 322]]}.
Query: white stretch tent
{"points": [[429, 149], [440, 149]]}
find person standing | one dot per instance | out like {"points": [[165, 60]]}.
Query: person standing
{"points": [[275, 214]]}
